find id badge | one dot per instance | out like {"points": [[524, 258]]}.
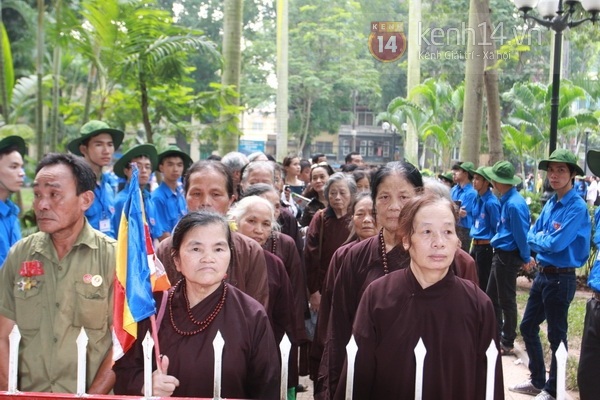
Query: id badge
{"points": [[104, 225], [476, 224]]}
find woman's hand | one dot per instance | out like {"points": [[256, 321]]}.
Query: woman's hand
{"points": [[315, 301], [163, 385]]}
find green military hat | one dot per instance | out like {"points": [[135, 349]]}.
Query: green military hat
{"points": [[147, 150], [562, 156], [467, 166], [593, 161], [94, 128], [14, 141], [481, 171], [502, 172], [174, 151], [448, 176]]}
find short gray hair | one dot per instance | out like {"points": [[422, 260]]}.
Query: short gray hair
{"points": [[341, 177], [234, 161], [258, 166], [242, 207]]}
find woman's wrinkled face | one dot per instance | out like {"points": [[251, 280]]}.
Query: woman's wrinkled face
{"points": [[392, 193], [339, 197], [204, 255], [363, 219], [434, 241], [256, 223]]}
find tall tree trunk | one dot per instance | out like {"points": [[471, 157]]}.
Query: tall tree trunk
{"points": [[473, 105], [39, 112], [411, 144], [490, 80], [282, 79], [54, 117], [144, 104], [89, 89], [305, 125], [3, 82], [232, 38]]}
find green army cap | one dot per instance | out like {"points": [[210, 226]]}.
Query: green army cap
{"points": [[562, 156], [147, 150], [15, 141], [174, 151], [91, 129], [502, 172]]}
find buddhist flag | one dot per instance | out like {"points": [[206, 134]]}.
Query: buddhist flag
{"points": [[138, 271]]}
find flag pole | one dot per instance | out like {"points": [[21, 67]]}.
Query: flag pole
{"points": [[156, 345]]}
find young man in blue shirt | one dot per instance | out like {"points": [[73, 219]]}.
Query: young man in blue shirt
{"points": [[169, 198], [12, 150], [561, 239], [511, 251], [464, 193], [486, 214], [96, 144], [146, 159], [589, 357]]}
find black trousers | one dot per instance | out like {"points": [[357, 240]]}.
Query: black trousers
{"points": [[483, 254], [589, 359], [464, 236]]}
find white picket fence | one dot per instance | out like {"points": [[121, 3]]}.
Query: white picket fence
{"points": [[284, 346]]}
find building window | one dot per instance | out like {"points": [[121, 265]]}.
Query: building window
{"points": [[365, 118], [345, 146], [257, 125], [322, 147]]}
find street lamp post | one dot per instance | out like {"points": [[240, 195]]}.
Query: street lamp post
{"points": [[387, 126], [555, 17], [587, 138]]}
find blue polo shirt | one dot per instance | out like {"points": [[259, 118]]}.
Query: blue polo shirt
{"points": [[467, 195], [594, 278], [513, 225], [170, 205], [156, 230], [486, 214], [100, 214], [10, 228], [561, 235]]}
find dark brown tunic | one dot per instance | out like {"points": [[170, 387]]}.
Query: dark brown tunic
{"points": [[285, 249], [247, 272], [456, 322], [281, 310], [250, 365], [325, 235], [361, 266]]}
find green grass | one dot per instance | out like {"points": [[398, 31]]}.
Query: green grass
{"points": [[574, 334]]}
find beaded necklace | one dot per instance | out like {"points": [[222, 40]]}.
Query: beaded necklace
{"points": [[384, 259], [274, 245], [202, 324]]}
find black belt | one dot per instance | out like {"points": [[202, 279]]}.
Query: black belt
{"points": [[556, 270], [481, 242]]}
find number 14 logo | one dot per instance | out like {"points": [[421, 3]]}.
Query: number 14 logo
{"points": [[387, 42]]}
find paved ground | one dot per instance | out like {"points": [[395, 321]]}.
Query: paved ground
{"points": [[514, 368]]}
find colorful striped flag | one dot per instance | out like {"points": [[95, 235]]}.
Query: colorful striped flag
{"points": [[138, 271]]}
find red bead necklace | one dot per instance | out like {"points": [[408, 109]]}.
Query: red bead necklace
{"points": [[202, 324], [384, 259]]}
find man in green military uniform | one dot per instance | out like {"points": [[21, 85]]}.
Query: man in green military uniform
{"points": [[56, 282]]}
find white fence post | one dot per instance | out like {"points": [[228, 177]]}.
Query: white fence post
{"points": [[14, 338], [561, 371], [82, 342], [420, 352], [490, 380], [284, 349], [218, 345], [147, 346], [351, 350]]}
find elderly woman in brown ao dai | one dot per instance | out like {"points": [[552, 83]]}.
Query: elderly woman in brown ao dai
{"points": [[198, 306], [427, 301]]}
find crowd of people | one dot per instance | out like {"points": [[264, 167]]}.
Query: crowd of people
{"points": [[256, 250]]}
